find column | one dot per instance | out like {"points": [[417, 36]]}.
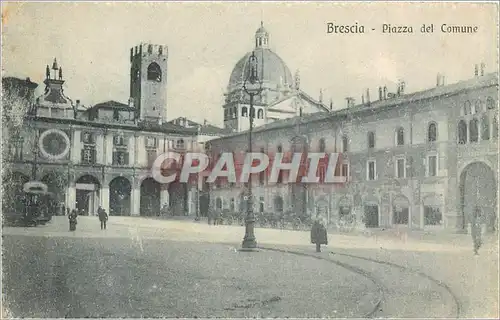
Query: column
{"points": [[190, 200], [422, 214], [105, 198], [100, 149], [71, 197], [132, 150], [109, 149], [136, 202], [77, 147]]}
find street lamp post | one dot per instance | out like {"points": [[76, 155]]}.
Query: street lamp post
{"points": [[253, 87]]}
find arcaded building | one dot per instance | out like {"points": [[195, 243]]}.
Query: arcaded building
{"points": [[99, 155], [420, 160]]}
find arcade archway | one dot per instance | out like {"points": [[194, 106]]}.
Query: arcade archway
{"points": [[278, 204], [87, 195], [150, 197], [178, 198], [119, 196], [400, 210], [478, 188]]}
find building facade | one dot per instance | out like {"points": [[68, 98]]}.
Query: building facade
{"points": [[419, 160], [101, 155]]}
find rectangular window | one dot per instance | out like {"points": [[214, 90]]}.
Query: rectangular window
{"points": [[432, 166], [120, 158], [371, 174], [401, 215], [151, 156], [261, 205], [400, 168], [432, 216], [16, 149], [88, 155]]}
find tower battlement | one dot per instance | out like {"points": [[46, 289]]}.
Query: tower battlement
{"points": [[144, 49]]}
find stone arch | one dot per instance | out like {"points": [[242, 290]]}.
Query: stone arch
{"points": [[433, 207], [150, 197], [87, 194], [154, 72], [321, 207], [478, 188], [120, 189], [218, 203], [278, 204], [178, 198], [371, 211], [400, 210], [344, 206]]}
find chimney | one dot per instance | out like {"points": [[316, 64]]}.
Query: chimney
{"points": [[368, 96], [385, 92], [331, 104], [476, 72], [482, 68], [350, 101], [401, 87], [438, 80], [362, 99], [131, 102], [77, 103], [380, 93]]}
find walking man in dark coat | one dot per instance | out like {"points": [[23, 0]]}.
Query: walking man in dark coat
{"points": [[318, 234], [103, 217], [476, 229]]}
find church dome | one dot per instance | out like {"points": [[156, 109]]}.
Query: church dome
{"points": [[272, 70]]}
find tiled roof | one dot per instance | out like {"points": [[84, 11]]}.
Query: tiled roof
{"points": [[487, 80]]}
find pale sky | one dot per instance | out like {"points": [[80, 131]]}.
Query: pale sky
{"points": [[92, 41]]}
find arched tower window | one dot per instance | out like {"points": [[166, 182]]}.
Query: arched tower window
{"points": [[260, 114], [371, 140], [485, 128], [160, 50], [473, 131], [400, 136], [154, 72], [477, 107], [150, 49], [432, 132], [244, 111], [462, 132]]}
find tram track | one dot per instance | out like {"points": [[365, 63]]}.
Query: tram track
{"points": [[396, 299]]}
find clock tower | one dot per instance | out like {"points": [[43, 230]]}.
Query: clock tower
{"points": [[148, 81]]}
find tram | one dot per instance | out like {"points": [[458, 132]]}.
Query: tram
{"points": [[35, 206]]}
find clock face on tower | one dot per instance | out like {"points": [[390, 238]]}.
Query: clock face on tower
{"points": [[54, 144]]}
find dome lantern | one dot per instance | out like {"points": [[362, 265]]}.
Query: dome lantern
{"points": [[261, 37]]}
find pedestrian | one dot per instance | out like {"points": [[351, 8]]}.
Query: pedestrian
{"points": [[72, 220], [103, 217], [476, 229], [318, 234]]}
